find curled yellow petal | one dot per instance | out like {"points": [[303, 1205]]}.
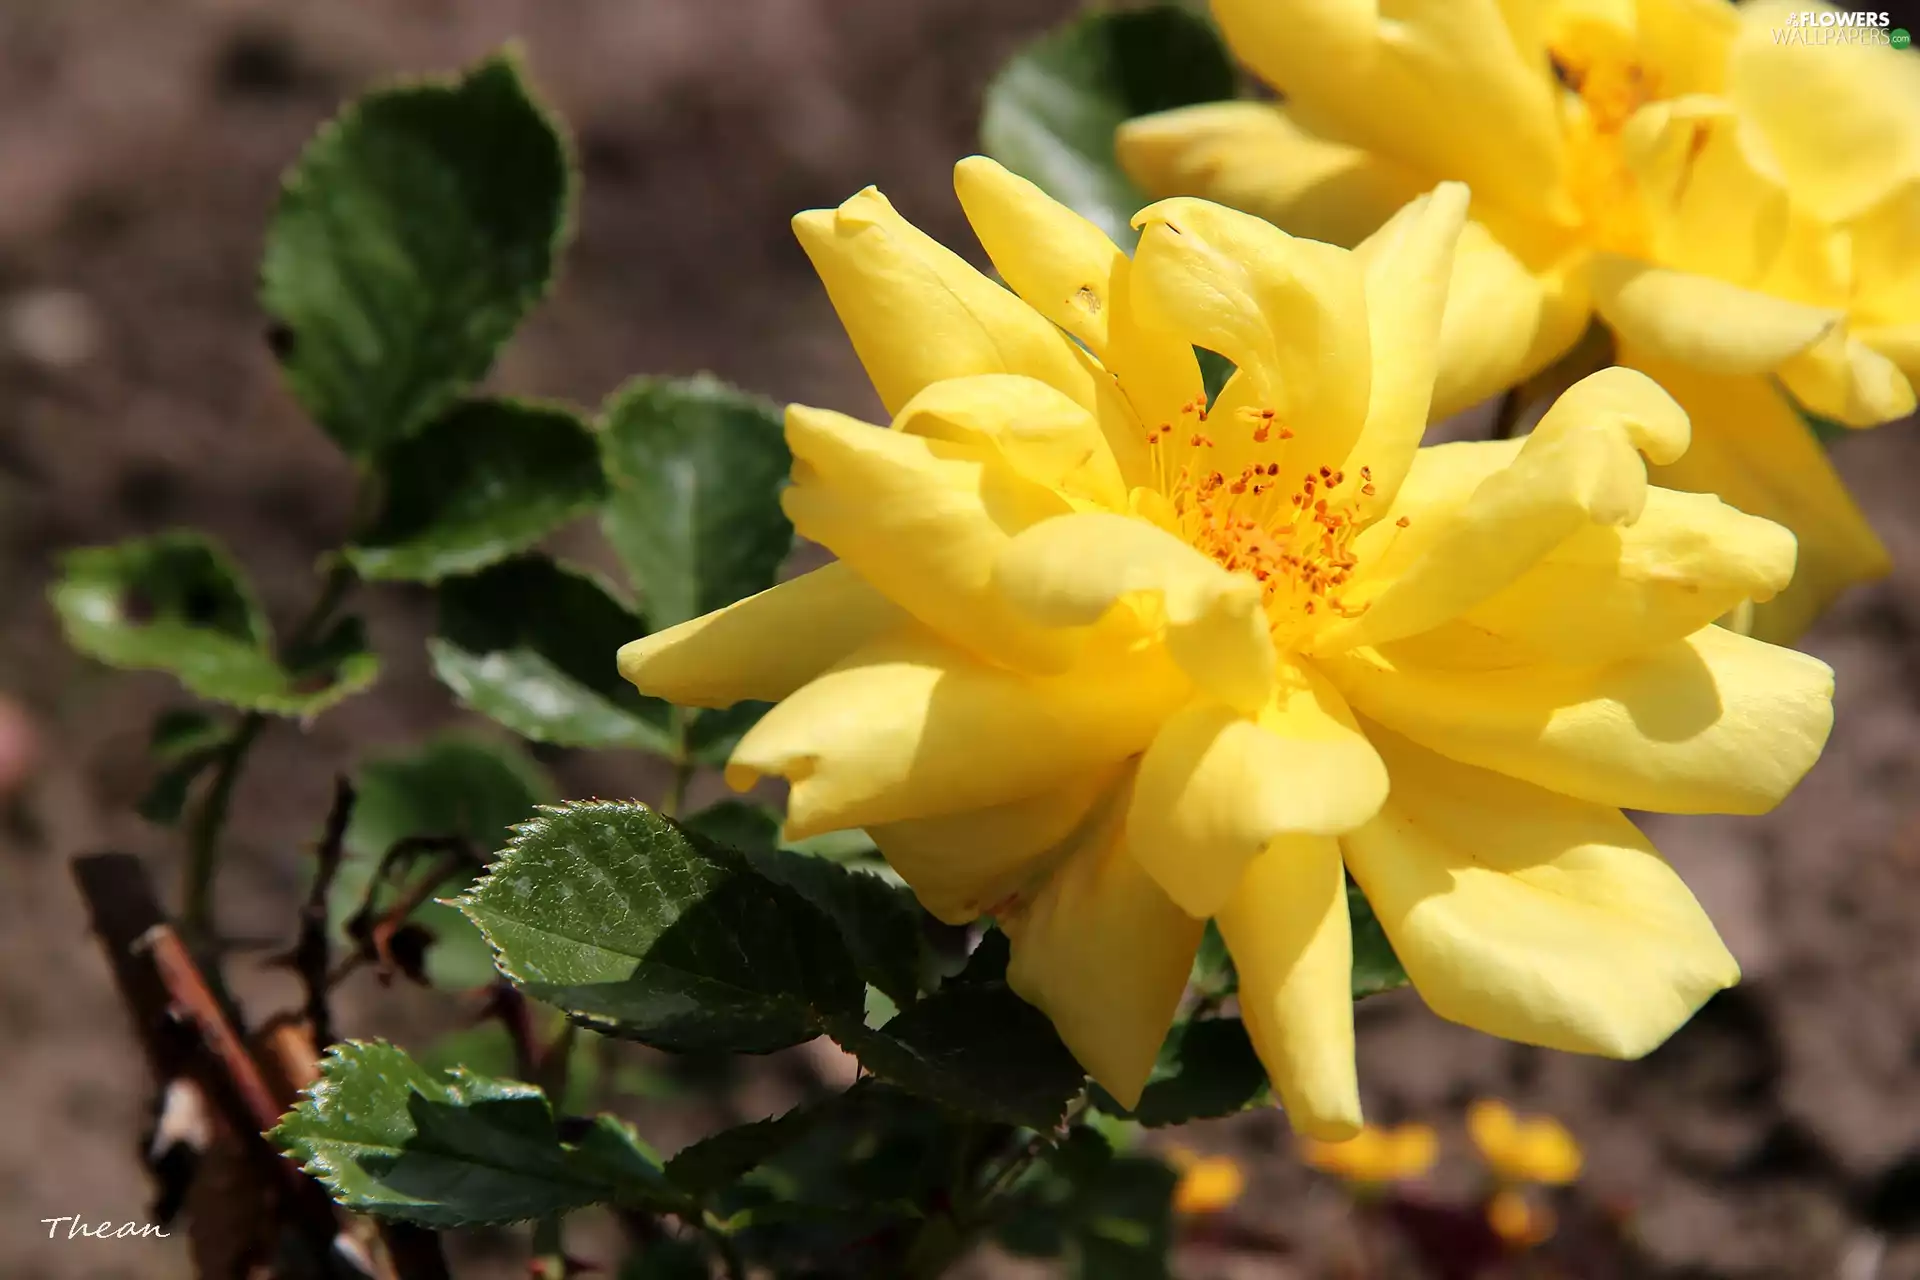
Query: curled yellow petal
{"points": [[1104, 953], [1071, 571], [912, 727], [961, 865], [1842, 378], [1215, 787], [1611, 591], [916, 312], [1255, 156], [1702, 322], [1290, 314], [1507, 318], [1449, 87], [1287, 929], [1408, 264], [923, 520], [1529, 915], [1582, 465], [1715, 723], [730, 655], [1752, 448], [1036, 430]]}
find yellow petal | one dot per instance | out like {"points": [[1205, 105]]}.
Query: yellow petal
{"points": [[1216, 787], [1531, 916], [1255, 156], [1581, 465], [1441, 86], [1104, 954], [1286, 927], [916, 312], [764, 647], [912, 727], [1751, 448], [1715, 201], [1407, 263], [1609, 592], [1685, 43], [1899, 343], [1885, 271], [1036, 430], [1291, 314], [1844, 119], [922, 520], [1072, 571], [1842, 378], [1505, 320], [1704, 323], [1715, 723], [1070, 272], [961, 865]]}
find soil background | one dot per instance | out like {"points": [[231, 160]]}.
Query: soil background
{"points": [[140, 149]]}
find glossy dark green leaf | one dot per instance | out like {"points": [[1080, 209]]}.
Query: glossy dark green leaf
{"points": [[452, 786], [1375, 967], [532, 644], [411, 237], [484, 480], [450, 1149], [1051, 114], [878, 921], [977, 1048], [1206, 1068], [738, 824], [612, 913], [176, 603], [696, 469]]}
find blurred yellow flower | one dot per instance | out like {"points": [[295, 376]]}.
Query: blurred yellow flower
{"points": [[1740, 209], [1208, 1184], [1102, 659], [1535, 1149], [1376, 1156], [1519, 1221]]}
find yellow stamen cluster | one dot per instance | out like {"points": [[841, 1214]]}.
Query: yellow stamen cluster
{"points": [[1297, 542]]}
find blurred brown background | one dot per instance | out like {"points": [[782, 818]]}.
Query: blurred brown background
{"points": [[140, 144]]}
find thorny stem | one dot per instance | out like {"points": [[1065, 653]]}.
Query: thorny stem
{"points": [[210, 817]]}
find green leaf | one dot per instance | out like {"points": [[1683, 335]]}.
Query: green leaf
{"points": [[176, 603], [738, 824], [609, 911], [411, 237], [1051, 113], [1375, 967], [878, 921], [532, 644], [388, 1137], [713, 733], [1213, 974], [1206, 1068], [975, 1047], [484, 480], [696, 468], [715, 1163], [452, 786]]}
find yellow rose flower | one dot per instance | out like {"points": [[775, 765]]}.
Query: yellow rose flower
{"points": [[1740, 210], [1531, 1149], [1104, 660]]}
